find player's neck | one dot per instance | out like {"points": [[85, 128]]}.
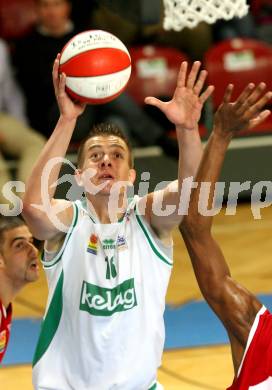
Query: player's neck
{"points": [[106, 209]]}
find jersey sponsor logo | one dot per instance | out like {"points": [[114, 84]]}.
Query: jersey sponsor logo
{"points": [[100, 301], [92, 246], [121, 243], [108, 243], [3, 340]]}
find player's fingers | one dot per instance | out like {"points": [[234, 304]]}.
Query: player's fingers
{"points": [[206, 94], [200, 82], [259, 119], [244, 95], [152, 101], [62, 84], [254, 96], [228, 93], [55, 73], [260, 104], [182, 74], [193, 74]]}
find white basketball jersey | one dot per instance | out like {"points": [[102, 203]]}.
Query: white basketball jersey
{"points": [[103, 328]]}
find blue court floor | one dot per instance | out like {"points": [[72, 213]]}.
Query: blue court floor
{"points": [[190, 325]]}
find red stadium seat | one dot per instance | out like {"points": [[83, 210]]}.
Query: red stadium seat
{"points": [[16, 17], [154, 71], [239, 61]]}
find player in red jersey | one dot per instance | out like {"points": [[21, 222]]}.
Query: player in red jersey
{"points": [[248, 323], [18, 267]]}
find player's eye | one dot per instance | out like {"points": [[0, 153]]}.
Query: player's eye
{"points": [[19, 244], [118, 155], [96, 156]]}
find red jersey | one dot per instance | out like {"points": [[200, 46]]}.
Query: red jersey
{"points": [[255, 371], [5, 324]]}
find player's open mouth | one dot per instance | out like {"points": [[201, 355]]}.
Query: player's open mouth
{"points": [[106, 177]]}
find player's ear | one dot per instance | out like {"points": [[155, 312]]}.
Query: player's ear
{"points": [[132, 175]]}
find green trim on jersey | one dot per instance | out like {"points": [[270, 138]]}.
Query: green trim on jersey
{"points": [[151, 242], [153, 387], [51, 322], [84, 205], [49, 264]]}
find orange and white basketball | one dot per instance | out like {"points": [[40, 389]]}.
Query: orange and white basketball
{"points": [[97, 65]]}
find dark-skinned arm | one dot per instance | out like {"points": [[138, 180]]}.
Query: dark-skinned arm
{"points": [[233, 304]]}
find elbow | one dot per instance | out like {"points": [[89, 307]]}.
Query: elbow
{"points": [[33, 218], [30, 212], [27, 208]]}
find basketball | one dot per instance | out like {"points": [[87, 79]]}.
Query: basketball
{"points": [[97, 66]]}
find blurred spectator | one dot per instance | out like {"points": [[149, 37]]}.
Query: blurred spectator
{"points": [[16, 138], [194, 42], [262, 13], [34, 56], [235, 28]]}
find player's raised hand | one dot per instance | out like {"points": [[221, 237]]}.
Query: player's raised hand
{"points": [[68, 107], [184, 109], [243, 114]]}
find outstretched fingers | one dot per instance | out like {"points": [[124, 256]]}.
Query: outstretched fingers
{"points": [[206, 94], [256, 109], [228, 93], [182, 74], [259, 118], [55, 73], [193, 74], [242, 101], [152, 101], [200, 82], [253, 98]]}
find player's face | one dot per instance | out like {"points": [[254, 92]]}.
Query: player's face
{"points": [[107, 158], [19, 257], [53, 14]]}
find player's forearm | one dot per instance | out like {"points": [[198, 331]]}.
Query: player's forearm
{"points": [[190, 150], [209, 171], [190, 153], [209, 264], [56, 147]]}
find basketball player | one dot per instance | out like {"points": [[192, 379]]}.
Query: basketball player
{"points": [[18, 267], [103, 328], [248, 323]]}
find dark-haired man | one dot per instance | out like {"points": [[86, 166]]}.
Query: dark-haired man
{"points": [[18, 267]]}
